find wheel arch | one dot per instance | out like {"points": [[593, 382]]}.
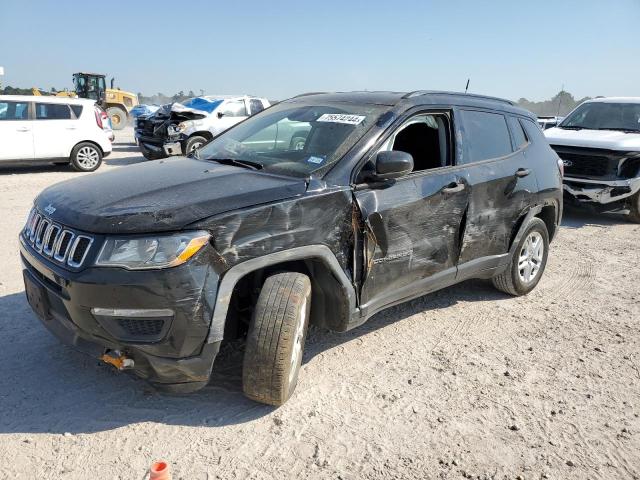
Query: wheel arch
{"points": [[333, 297]]}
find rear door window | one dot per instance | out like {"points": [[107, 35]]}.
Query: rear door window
{"points": [[14, 111], [486, 135], [234, 108], [255, 105], [53, 111]]}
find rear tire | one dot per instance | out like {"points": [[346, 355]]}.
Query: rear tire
{"points": [[528, 262], [275, 341], [118, 117], [634, 207], [86, 157]]}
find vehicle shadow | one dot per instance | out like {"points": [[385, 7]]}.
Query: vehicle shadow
{"points": [[575, 217], [27, 168], [52, 388], [127, 160]]}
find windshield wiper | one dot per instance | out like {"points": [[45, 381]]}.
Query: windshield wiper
{"points": [[570, 127], [238, 163], [618, 129]]}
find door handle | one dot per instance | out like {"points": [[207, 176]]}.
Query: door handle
{"points": [[523, 172], [71, 128], [453, 187], [23, 129]]}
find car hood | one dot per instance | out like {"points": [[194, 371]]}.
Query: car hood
{"points": [[607, 139], [163, 195]]}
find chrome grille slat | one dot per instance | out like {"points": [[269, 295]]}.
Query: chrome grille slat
{"points": [[50, 239], [77, 244], [53, 240], [42, 229], [34, 227], [60, 250]]}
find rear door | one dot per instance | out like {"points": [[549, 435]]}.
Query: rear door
{"points": [[54, 130], [412, 226], [16, 131], [501, 184]]}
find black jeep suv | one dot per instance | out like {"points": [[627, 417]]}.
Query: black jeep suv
{"points": [[390, 196]]}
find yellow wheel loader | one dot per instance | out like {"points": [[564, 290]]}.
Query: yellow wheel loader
{"points": [[116, 102]]}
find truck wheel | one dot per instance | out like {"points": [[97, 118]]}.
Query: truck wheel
{"points": [[528, 262], [275, 341], [193, 143], [634, 207], [86, 157], [118, 117]]}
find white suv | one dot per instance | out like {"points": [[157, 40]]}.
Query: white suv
{"points": [[52, 129]]}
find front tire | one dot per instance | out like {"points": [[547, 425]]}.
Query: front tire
{"points": [[634, 208], [528, 262], [275, 341], [86, 157], [193, 143]]}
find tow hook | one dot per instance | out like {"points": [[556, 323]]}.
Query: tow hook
{"points": [[117, 359]]}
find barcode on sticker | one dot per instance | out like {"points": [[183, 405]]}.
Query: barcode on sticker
{"points": [[341, 118]]}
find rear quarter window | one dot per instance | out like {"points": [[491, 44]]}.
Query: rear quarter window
{"points": [[533, 131], [485, 135], [520, 139], [77, 110]]}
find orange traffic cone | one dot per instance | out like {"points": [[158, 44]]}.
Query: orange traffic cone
{"points": [[159, 471]]}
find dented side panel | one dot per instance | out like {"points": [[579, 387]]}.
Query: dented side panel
{"points": [[411, 231], [321, 218]]}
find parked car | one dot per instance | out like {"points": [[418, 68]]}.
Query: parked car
{"points": [[53, 130], [180, 128], [152, 266], [546, 122], [599, 144]]}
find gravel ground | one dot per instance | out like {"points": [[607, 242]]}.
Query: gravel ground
{"points": [[462, 383]]}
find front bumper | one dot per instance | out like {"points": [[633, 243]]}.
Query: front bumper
{"points": [[600, 191], [176, 357]]}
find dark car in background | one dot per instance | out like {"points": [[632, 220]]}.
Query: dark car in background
{"points": [[388, 197]]}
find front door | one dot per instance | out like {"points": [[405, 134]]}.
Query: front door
{"points": [[16, 131], [412, 227]]}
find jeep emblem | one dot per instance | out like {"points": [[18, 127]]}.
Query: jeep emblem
{"points": [[567, 163], [50, 209]]}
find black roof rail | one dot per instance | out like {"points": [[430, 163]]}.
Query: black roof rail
{"points": [[418, 93], [308, 94]]}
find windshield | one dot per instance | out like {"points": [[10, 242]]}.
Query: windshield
{"points": [[605, 116], [294, 138]]}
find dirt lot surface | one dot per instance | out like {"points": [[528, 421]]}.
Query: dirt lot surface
{"points": [[463, 383]]}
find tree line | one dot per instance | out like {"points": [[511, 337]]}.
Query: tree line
{"points": [[560, 104]]}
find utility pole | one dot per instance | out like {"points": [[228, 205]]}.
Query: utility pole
{"points": [[560, 100]]}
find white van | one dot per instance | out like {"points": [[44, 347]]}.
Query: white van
{"points": [[53, 129]]}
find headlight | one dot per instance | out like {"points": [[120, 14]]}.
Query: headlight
{"points": [[181, 127], [160, 251]]}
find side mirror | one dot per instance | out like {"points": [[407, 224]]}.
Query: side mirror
{"points": [[220, 114], [393, 164]]}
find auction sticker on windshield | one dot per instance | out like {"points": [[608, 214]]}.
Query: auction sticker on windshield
{"points": [[341, 118]]}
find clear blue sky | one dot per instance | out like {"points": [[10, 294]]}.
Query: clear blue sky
{"points": [[509, 48]]}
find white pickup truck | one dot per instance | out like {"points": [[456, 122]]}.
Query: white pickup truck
{"points": [[599, 144], [180, 128]]}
